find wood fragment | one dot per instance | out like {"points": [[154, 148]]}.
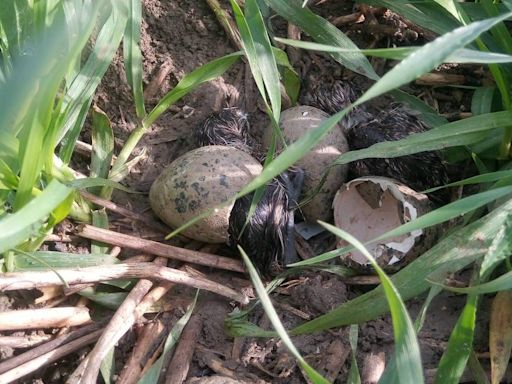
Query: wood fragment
{"points": [[30, 280], [337, 354], [43, 318], [362, 280], [146, 344], [50, 357], [180, 363], [353, 18], [227, 23], [159, 249], [27, 341], [439, 79], [120, 323]]}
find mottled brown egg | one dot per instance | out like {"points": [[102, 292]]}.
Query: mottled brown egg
{"points": [[295, 123], [200, 180], [368, 207]]}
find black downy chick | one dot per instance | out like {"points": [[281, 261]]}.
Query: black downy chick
{"points": [[228, 127], [420, 171], [268, 236]]}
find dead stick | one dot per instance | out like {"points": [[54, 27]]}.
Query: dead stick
{"points": [[226, 22], [149, 340], [29, 280], [47, 347], [43, 318], [120, 323], [159, 249], [27, 341], [48, 358], [180, 363]]}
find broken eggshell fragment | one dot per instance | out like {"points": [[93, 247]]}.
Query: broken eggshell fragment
{"points": [[297, 122], [197, 181], [368, 207]]}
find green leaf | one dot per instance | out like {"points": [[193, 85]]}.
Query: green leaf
{"points": [[264, 54], [407, 350], [459, 347], [430, 56], [102, 146], [276, 322], [461, 56], [18, 227], [133, 55], [462, 132], [43, 260], [189, 82], [425, 14], [86, 82], [89, 182], [324, 32], [353, 374]]}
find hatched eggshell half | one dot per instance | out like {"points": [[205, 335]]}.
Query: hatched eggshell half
{"points": [[295, 123], [200, 180], [368, 207]]}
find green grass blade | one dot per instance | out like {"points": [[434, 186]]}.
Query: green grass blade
{"points": [[430, 56], [407, 350], [500, 249], [481, 102], [25, 223], [426, 14], [324, 32], [276, 322], [102, 139], [462, 132], [206, 72], [459, 347], [259, 53], [502, 283], [42, 260], [483, 178], [454, 252], [89, 182], [133, 55], [461, 56], [86, 82], [353, 375]]}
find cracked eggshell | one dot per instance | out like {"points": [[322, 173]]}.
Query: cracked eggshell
{"points": [[295, 123], [200, 180], [368, 207]]}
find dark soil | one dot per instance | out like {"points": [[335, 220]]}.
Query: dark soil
{"points": [[183, 35]]}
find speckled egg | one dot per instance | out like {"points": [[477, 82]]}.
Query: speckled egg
{"points": [[200, 180], [368, 207], [295, 123]]}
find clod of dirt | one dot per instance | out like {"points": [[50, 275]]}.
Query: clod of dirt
{"points": [[371, 206], [200, 180], [297, 122]]}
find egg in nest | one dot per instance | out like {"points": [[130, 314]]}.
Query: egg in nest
{"points": [[197, 181]]}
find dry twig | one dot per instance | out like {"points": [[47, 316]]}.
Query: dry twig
{"points": [[180, 363], [29, 280], [159, 249], [43, 318]]}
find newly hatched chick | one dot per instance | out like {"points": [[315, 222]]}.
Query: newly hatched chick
{"points": [[268, 236], [419, 171]]}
